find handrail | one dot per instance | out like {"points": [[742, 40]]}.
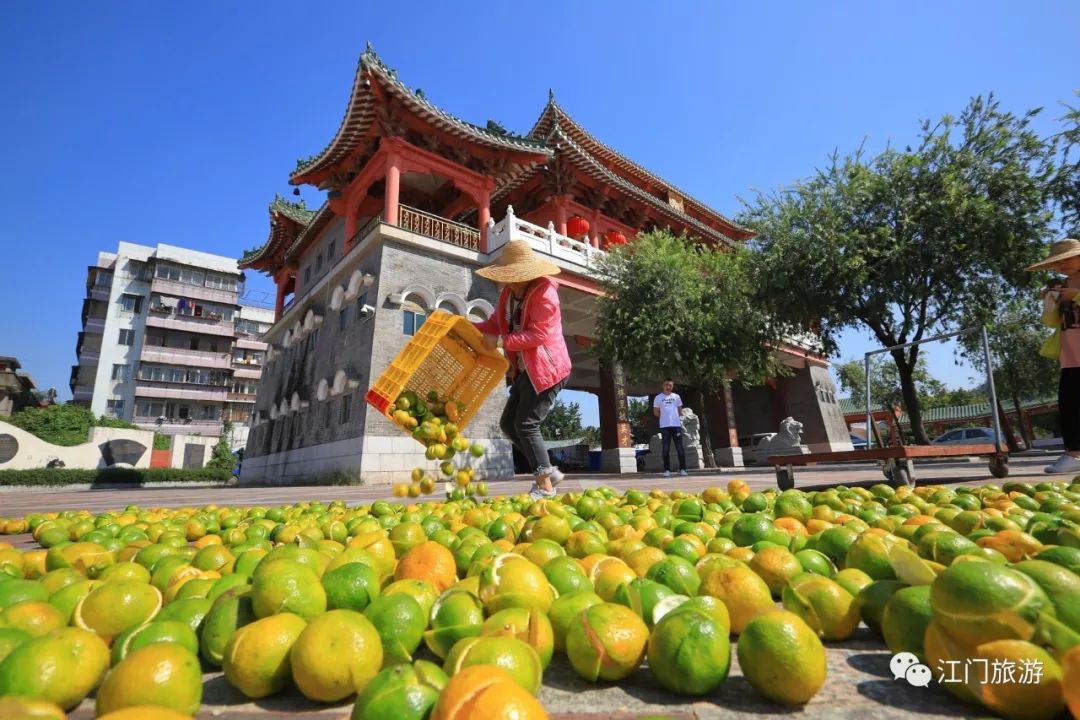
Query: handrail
{"points": [[439, 228]]}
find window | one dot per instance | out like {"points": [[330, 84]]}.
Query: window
{"points": [[184, 412], [346, 402], [413, 321], [318, 262], [103, 278], [131, 303], [326, 415], [307, 276], [127, 337], [221, 282], [150, 409], [332, 250], [120, 372], [343, 316], [114, 408]]}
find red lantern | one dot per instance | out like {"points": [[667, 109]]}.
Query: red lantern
{"points": [[577, 227], [613, 238]]}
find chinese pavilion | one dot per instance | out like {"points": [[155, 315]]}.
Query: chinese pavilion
{"points": [[417, 199]]}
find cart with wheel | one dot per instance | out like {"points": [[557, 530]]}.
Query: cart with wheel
{"points": [[897, 462]]}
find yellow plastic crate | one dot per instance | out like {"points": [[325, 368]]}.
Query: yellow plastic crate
{"points": [[447, 355]]}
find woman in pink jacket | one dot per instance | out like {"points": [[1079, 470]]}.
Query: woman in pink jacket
{"points": [[528, 319]]}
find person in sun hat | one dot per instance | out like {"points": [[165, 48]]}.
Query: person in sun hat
{"points": [[1064, 313], [529, 320]]}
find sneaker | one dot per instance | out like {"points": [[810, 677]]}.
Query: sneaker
{"points": [[537, 494], [667, 473], [682, 473], [556, 476], [1064, 465]]}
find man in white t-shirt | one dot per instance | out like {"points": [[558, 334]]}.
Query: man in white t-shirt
{"points": [[668, 407]]}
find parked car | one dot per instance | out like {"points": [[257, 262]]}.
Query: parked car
{"points": [[750, 445], [967, 436], [858, 443]]}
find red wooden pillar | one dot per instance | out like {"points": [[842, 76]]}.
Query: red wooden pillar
{"points": [[779, 407], [483, 215], [561, 204], [393, 188]]}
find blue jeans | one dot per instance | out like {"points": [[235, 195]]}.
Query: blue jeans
{"points": [[668, 434], [520, 422]]}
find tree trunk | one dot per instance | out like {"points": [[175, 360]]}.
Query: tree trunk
{"points": [[905, 368], [1028, 440], [704, 430], [1006, 429]]}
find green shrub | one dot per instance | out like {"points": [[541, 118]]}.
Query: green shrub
{"points": [[162, 441], [112, 476], [66, 425]]}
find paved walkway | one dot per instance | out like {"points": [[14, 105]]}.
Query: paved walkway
{"points": [[20, 502]]}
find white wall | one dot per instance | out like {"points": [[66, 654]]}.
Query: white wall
{"points": [[179, 442], [34, 452]]}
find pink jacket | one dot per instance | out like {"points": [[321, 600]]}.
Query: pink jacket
{"points": [[540, 341]]}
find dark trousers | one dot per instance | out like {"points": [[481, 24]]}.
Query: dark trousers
{"points": [[1069, 407], [521, 418], [666, 436]]}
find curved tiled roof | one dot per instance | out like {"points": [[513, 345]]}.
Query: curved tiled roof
{"points": [[297, 212], [593, 168], [361, 111], [553, 115]]}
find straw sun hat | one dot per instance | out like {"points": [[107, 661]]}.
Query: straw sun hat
{"points": [[1059, 251], [518, 263]]}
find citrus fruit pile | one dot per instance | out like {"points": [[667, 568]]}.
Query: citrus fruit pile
{"points": [[433, 423], [456, 609]]}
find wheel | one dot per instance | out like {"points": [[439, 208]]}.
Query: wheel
{"points": [[903, 474], [785, 478], [999, 466]]}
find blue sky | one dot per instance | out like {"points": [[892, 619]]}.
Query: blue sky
{"points": [[177, 122]]}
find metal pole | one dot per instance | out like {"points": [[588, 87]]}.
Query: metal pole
{"points": [[993, 391], [869, 432]]}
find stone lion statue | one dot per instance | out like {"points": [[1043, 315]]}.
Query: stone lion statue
{"points": [[691, 428], [790, 432], [789, 437]]}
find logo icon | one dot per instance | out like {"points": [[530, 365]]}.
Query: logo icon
{"points": [[906, 666]]}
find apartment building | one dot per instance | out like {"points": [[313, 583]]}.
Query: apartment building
{"points": [[166, 344]]}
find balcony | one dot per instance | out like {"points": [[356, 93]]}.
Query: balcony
{"points": [[439, 228], [88, 357], [180, 391], [177, 426], [177, 289], [98, 292], [249, 342], [82, 393], [185, 356], [544, 240], [190, 323], [241, 397]]}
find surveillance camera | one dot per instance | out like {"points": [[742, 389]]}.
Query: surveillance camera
{"points": [[367, 311]]}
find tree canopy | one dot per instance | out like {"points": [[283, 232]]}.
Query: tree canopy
{"points": [[563, 422], [672, 307], [912, 241]]}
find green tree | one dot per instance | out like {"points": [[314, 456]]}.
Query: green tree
{"points": [[590, 434], [1065, 186], [640, 415], [66, 425], [910, 242], [886, 392], [563, 422], [672, 307], [1020, 372], [956, 396], [221, 458]]}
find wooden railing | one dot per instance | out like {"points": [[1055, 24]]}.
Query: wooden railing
{"points": [[439, 228]]}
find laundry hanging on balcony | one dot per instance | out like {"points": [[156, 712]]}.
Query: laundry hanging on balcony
{"points": [[182, 305]]}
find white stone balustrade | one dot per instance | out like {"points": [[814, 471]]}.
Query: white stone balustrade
{"points": [[544, 240]]}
